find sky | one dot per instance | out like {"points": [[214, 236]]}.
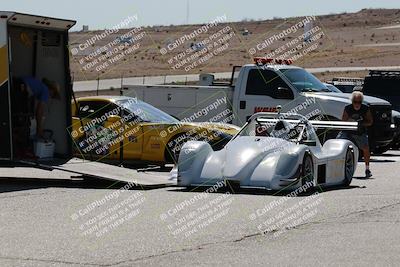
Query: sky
{"points": [[100, 14]]}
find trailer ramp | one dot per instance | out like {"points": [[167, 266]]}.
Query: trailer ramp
{"points": [[85, 169]]}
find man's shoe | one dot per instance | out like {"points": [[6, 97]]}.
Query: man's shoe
{"points": [[368, 174]]}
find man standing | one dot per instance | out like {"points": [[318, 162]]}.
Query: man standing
{"points": [[360, 113]]}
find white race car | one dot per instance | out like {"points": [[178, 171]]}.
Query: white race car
{"points": [[273, 151]]}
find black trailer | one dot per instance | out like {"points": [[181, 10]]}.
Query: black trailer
{"points": [[385, 84]]}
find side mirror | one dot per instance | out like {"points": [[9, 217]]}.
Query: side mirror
{"points": [[284, 93]]}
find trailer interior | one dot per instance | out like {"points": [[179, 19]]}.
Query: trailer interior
{"points": [[38, 48]]}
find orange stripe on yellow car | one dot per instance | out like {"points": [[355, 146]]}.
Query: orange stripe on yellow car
{"points": [[3, 64]]}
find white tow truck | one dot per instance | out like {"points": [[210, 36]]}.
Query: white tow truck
{"points": [[262, 87]]}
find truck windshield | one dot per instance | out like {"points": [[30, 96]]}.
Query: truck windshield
{"points": [[146, 112], [304, 81]]}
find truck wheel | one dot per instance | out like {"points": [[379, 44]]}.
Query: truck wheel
{"points": [[348, 166], [307, 170], [380, 150]]}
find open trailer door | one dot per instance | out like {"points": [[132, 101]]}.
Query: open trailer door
{"points": [[5, 113], [5, 121]]}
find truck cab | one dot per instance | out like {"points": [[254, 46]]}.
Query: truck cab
{"points": [[263, 87]]}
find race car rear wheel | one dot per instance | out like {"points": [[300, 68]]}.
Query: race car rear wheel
{"points": [[348, 166], [307, 170]]}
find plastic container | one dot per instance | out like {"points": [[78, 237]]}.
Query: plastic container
{"points": [[44, 149]]}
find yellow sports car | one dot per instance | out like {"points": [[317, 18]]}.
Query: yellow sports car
{"points": [[124, 128]]}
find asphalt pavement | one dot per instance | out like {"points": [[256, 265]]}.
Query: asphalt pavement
{"points": [[95, 223]]}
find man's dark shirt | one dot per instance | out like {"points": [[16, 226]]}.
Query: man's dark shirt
{"points": [[358, 115]]}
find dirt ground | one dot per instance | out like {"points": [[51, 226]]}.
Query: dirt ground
{"points": [[327, 76], [349, 39]]}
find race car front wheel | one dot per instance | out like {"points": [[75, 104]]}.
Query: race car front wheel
{"points": [[307, 170], [348, 166]]}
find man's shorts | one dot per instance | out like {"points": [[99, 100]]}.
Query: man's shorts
{"points": [[361, 141]]}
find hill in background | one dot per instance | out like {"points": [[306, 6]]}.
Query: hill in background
{"points": [[349, 39]]}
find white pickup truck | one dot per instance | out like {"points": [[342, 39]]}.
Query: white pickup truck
{"points": [[262, 87]]}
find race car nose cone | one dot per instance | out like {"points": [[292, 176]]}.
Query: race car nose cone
{"points": [[240, 155], [244, 154]]}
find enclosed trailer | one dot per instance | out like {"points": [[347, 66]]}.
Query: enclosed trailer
{"points": [[34, 46], [37, 46]]}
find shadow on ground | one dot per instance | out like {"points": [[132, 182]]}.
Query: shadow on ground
{"points": [[260, 191], [24, 183]]}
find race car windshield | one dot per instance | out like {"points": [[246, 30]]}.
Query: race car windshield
{"points": [[293, 131], [279, 129], [304, 81], [146, 112]]}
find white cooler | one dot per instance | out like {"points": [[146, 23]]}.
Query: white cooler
{"points": [[44, 149]]}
